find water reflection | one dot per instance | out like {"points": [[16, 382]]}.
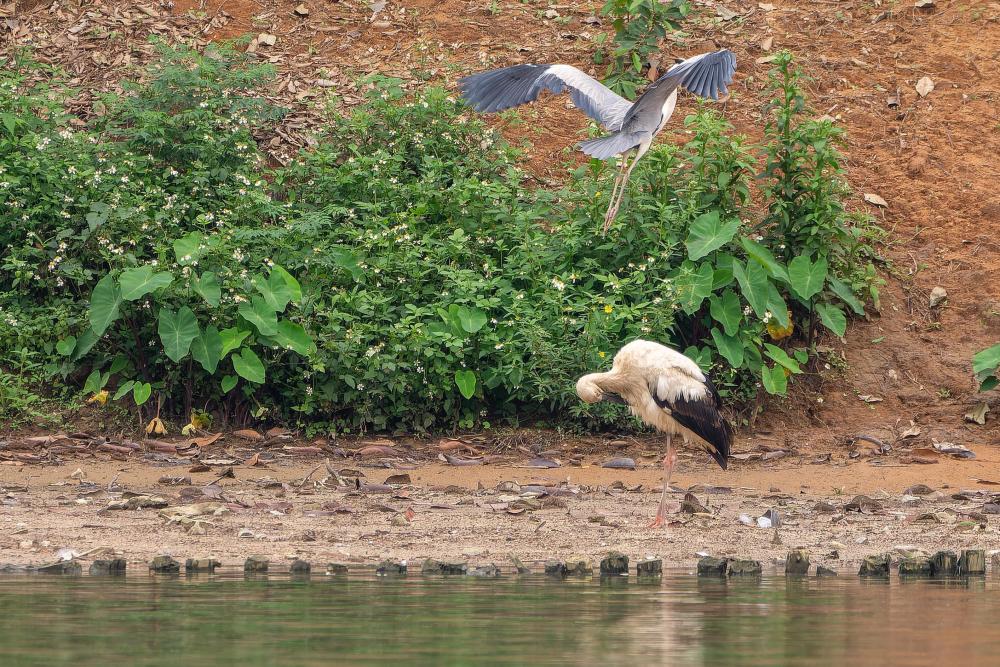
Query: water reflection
{"points": [[274, 620]]}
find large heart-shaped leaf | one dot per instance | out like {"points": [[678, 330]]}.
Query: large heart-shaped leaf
{"points": [[774, 379], [471, 319], [232, 338], [95, 381], [290, 282], [832, 317], [776, 304], [275, 291], [249, 366], [123, 389], [84, 343], [260, 314], [66, 346], [807, 277], [754, 284], [987, 360], [104, 303], [207, 285], [708, 233], [137, 283], [206, 349], [846, 294], [725, 310], [693, 285], [781, 357], [177, 331], [228, 382], [466, 381], [190, 248], [730, 347], [293, 337], [141, 392], [762, 254]]}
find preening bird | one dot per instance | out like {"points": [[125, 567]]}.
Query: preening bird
{"points": [[667, 391], [632, 124]]}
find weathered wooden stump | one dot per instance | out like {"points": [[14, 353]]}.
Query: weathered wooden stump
{"points": [[255, 565], [431, 566], [336, 568], [712, 567], [391, 567], [972, 563], [579, 567], [519, 565], [875, 566], [797, 563], [300, 567], [915, 567], [65, 567], [112, 567], [744, 568], [944, 564], [164, 564], [614, 564], [193, 565], [556, 568], [652, 567]]}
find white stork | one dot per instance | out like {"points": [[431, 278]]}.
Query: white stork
{"points": [[667, 391]]}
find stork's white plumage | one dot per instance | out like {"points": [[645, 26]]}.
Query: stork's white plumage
{"points": [[667, 391]]}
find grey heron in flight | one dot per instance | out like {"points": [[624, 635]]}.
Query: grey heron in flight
{"points": [[669, 392], [632, 124]]}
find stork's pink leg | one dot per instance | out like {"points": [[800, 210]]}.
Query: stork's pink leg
{"points": [[668, 468]]}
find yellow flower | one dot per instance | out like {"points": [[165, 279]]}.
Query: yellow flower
{"points": [[778, 332], [100, 397], [601, 355], [597, 194], [608, 308]]}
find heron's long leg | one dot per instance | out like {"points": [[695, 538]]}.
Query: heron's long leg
{"points": [[668, 468], [620, 191], [608, 217]]}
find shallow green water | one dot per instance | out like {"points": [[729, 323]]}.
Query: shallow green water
{"points": [[683, 620]]}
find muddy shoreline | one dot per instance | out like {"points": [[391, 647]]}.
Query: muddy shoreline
{"points": [[485, 514]]}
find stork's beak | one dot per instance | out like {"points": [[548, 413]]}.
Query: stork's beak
{"points": [[613, 398]]}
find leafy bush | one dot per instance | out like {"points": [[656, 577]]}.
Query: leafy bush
{"points": [[986, 366], [639, 26], [398, 275]]}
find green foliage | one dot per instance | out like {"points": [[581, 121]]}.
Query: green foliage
{"points": [[397, 275], [640, 26], [986, 366]]}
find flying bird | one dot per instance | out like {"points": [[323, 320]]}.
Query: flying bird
{"points": [[632, 124], [667, 391]]}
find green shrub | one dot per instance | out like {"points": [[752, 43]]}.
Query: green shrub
{"points": [[398, 275]]}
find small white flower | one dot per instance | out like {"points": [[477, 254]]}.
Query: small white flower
{"points": [[767, 316]]}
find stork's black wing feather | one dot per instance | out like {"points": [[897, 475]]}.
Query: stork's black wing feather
{"points": [[701, 416]]}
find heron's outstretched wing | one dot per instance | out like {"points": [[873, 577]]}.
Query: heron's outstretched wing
{"points": [[705, 75], [695, 405], [508, 87]]}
